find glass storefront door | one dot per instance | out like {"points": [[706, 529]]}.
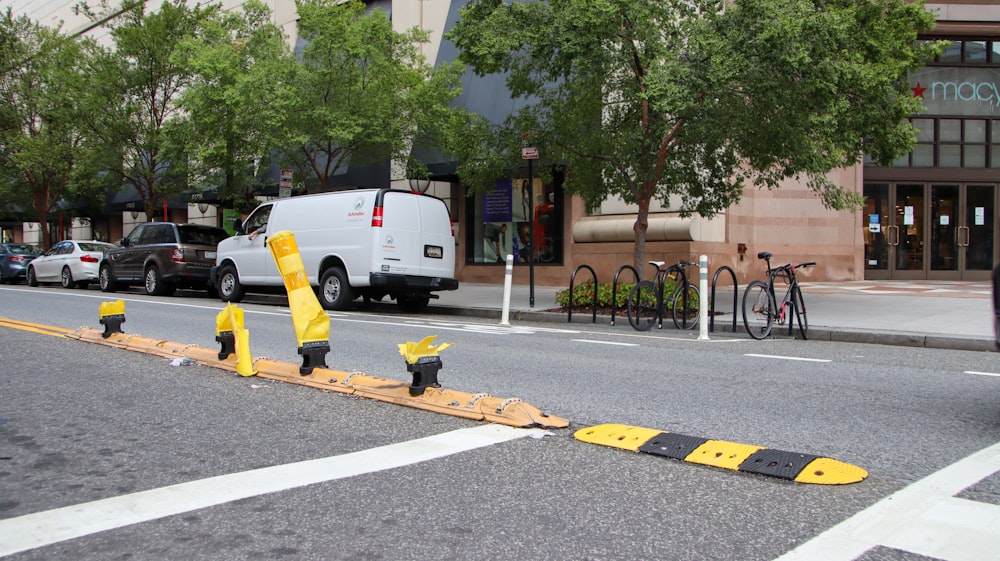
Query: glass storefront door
{"points": [[942, 231]]}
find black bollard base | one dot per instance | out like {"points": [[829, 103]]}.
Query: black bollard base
{"points": [[112, 324], [313, 356], [425, 372], [228, 342]]}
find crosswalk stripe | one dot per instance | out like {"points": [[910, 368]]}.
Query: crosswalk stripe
{"points": [[45, 528]]}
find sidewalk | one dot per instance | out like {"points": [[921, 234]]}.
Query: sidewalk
{"points": [[938, 314]]}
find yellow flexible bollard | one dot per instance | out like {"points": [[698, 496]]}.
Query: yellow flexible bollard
{"points": [[423, 362], [234, 337], [312, 325], [112, 316]]}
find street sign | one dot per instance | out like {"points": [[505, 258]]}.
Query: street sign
{"points": [[285, 187], [529, 153]]}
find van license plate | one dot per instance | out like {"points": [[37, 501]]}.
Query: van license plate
{"points": [[433, 251]]}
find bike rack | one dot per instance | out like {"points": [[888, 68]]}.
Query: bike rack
{"points": [[569, 318], [736, 291], [614, 288], [684, 294]]}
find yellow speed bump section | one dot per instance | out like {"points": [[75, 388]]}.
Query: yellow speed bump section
{"points": [[510, 411], [793, 466]]}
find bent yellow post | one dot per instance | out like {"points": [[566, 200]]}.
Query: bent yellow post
{"points": [[312, 325]]}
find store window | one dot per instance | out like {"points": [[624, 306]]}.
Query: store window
{"points": [[502, 222]]}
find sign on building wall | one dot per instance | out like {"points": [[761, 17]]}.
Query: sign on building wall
{"points": [[960, 91]]}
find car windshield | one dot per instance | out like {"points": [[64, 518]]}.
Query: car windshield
{"points": [[95, 246], [23, 249], [201, 235]]}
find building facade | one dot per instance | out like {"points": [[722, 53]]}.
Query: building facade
{"points": [[929, 215]]}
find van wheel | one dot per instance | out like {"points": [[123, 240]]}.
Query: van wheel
{"points": [[230, 289], [106, 279], [412, 304], [334, 291]]}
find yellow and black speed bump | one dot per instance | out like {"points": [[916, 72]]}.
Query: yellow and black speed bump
{"points": [[802, 468]]}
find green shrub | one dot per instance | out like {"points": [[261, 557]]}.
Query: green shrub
{"points": [[583, 295]]}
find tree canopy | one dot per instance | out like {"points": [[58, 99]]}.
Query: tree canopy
{"points": [[42, 87], [136, 86], [362, 91], [695, 100], [237, 99]]}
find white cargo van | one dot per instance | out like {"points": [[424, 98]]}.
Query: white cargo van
{"points": [[365, 242]]}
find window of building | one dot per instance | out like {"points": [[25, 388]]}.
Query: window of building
{"points": [[948, 142], [501, 222], [970, 52]]}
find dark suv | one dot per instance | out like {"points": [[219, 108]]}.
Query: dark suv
{"points": [[163, 256]]}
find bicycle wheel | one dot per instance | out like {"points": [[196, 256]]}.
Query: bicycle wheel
{"points": [[682, 314], [800, 311], [642, 305], [758, 310]]}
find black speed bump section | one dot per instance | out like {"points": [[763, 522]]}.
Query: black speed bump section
{"points": [[793, 466]]}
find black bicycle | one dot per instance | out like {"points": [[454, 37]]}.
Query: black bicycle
{"points": [[760, 304], [668, 291]]}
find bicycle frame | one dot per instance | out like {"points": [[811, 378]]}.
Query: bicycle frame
{"points": [[791, 304]]}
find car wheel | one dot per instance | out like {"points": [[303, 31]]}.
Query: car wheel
{"points": [[3, 279], [335, 293], [229, 289], [155, 286], [106, 279], [66, 279], [32, 279]]}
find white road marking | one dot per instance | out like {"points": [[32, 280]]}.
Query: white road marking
{"points": [[924, 518], [606, 342], [982, 373], [789, 358], [45, 528]]}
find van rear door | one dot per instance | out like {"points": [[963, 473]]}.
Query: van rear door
{"points": [[416, 237]]}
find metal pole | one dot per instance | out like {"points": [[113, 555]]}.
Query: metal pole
{"points": [[508, 273], [531, 236], [703, 296]]}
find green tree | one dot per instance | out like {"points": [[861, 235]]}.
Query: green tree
{"points": [[694, 100], [237, 99], [138, 84], [362, 90], [42, 89]]}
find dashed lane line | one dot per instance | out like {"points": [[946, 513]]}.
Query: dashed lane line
{"points": [[45, 528], [780, 357], [614, 343]]}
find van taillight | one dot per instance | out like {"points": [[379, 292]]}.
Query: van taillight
{"points": [[377, 217], [452, 223]]}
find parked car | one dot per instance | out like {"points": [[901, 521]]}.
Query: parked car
{"points": [[14, 259], [162, 256], [71, 263]]}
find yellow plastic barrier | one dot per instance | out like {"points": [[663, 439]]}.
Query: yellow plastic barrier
{"points": [[112, 316], [422, 360], [230, 331], [312, 325]]}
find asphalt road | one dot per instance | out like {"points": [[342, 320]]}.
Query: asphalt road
{"points": [[80, 423]]}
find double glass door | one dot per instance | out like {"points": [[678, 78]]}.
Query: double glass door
{"points": [[942, 231]]}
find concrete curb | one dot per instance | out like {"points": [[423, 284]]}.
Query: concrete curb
{"points": [[816, 333]]}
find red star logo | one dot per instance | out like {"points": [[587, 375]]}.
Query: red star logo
{"points": [[918, 91]]}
